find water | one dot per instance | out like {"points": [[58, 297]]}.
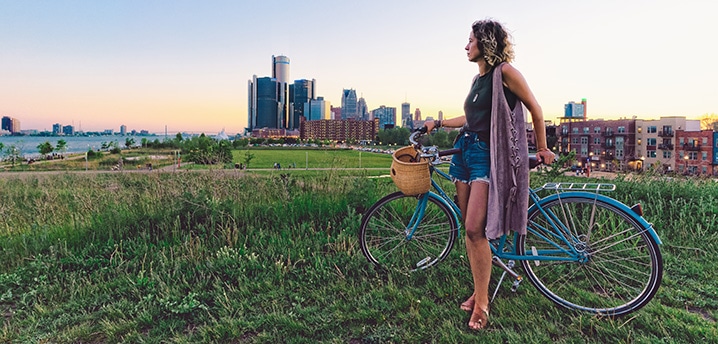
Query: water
{"points": [[75, 144]]}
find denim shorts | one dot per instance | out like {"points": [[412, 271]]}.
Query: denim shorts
{"points": [[473, 163]]}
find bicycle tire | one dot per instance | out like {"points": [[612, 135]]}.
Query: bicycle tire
{"points": [[622, 269], [383, 235]]}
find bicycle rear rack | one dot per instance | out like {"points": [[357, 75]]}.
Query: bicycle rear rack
{"points": [[594, 187]]}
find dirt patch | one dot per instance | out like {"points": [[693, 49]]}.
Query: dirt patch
{"points": [[702, 312]]}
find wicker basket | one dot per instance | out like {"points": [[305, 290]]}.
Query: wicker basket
{"points": [[409, 174]]}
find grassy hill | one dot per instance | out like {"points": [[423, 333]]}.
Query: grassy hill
{"points": [[196, 257]]}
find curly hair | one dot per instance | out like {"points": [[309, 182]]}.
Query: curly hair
{"points": [[493, 41]]}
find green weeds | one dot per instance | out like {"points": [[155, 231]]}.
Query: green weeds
{"points": [[221, 257]]}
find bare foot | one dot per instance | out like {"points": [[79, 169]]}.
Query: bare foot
{"points": [[468, 305], [479, 318]]}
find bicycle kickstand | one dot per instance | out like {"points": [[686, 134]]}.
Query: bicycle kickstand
{"points": [[507, 270]]}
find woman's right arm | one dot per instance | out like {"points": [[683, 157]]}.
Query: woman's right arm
{"points": [[455, 122]]}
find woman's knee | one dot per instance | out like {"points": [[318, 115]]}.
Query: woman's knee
{"points": [[476, 230]]}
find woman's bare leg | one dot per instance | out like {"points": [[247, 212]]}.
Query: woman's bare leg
{"points": [[473, 201]]}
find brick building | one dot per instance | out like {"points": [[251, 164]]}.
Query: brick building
{"points": [[694, 152], [608, 145], [339, 130]]}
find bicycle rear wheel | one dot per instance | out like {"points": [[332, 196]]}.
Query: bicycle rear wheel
{"points": [[619, 267], [385, 239]]}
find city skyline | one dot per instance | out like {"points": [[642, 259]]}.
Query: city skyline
{"points": [[185, 64]]}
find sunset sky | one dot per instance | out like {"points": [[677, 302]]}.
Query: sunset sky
{"points": [[185, 64]]}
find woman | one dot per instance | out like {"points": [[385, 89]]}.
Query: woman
{"points": [[490, 48]]}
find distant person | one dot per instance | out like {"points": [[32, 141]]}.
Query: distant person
{"points": [[492, 134]]}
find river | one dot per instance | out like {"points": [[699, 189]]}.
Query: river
{"points": [[75, 144]]}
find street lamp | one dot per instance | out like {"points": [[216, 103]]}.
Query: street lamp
{"points": [[685, 158]]}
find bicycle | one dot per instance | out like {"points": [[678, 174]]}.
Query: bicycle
{"points": [[582, 250]]}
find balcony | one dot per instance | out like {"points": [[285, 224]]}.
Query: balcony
{"points": [[608, 133], [692, 147], [665, 146], [667, 133]]}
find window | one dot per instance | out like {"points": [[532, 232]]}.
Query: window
{"points": [[621, 129], [651, 154], [597, 130], [574, 140], [705, 156], [705, 140], [619, 153], [585, 130], [597, 140], [651, 129], [584, 140], [651, 141], [574, 130], [584, 151], [681, 141], [693, 155], [597, 151], [666, 154]]}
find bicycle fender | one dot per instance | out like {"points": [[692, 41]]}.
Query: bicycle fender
{"points": [[579, 194]]}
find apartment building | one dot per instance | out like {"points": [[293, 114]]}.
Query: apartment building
{"points": [[694, 152], [607, 145]]}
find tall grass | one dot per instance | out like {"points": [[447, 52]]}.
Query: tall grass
{"points": [[219, 257]]}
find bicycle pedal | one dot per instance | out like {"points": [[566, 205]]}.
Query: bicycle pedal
{"points": [[516, 284]]}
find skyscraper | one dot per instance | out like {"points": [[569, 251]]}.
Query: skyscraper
{"points": [[362, 109], [406, 115], [349, 104], [10, 124], [300, 93], [317, 109], [386, 116], [263, 104], [280, 72]]}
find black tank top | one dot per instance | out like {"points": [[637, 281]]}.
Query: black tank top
{"points": [[477, 106]]}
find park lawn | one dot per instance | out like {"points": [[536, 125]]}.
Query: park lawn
{"points": [[311, 158]]}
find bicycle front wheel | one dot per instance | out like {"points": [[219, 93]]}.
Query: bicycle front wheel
{"points": [[618, 268], [386, 239]]}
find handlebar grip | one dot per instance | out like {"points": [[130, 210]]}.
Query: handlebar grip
{"points": [[534, 161]]}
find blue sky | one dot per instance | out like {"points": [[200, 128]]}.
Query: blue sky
{"points": [[185, 64]]}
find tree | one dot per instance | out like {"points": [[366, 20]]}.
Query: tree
{"points": [[45, 148], [61, 146], [247, 158], [129, 142], [709, 121], [13, 153]]}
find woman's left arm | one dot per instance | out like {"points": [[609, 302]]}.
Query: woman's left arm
{"points": [[518, 85]]}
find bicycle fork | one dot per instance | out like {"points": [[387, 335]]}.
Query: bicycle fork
{"points": [[507, 267]]}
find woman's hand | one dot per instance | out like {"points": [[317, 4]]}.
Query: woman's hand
{"points": [[430, 125], [546, 156]]}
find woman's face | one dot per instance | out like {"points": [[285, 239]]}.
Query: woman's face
{"points": [[472, 48]]}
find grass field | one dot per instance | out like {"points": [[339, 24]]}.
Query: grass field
{"points": [[313, 158], [196, 257]]}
